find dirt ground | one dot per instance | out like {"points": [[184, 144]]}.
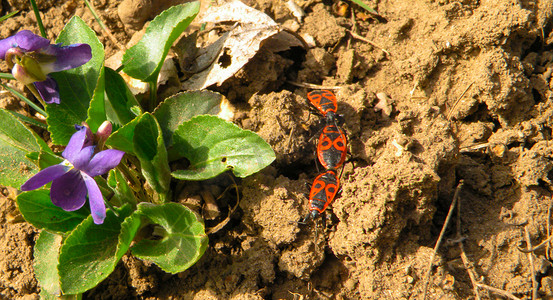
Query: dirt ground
{"points": [[434, 93]]}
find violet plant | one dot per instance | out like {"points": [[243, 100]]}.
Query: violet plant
{"points": [[117, 154]]}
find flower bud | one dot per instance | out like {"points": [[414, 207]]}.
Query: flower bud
{"points": [[104, 130]]}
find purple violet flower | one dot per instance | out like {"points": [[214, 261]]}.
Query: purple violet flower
{"points": [[73, 179], [32, 58]]}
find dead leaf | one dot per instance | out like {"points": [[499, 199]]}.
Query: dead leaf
{"points": [[226, 56], [384, 105]]}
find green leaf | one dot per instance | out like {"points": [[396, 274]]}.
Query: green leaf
{"points": [[76, 86], [97, 109], [91, 252], [182, 107], [16, 140], [150, 150], [120, 99], [119, 185], [46, 252], [148, 147], [46, 159], [37, 208], [184, 242], [144, 60], [122, 138], [213, 145]]}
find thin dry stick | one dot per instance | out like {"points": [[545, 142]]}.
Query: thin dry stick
{"points": [[468, 265], [498, 291], [290, 139], [457, 101], [227, 219], [469, 268], [474, 147], [548, 230], [220, 226], [364, 39], [440, 238], [314, 86], [103, 26], [546, 242], [353, 27], [531, 259]]}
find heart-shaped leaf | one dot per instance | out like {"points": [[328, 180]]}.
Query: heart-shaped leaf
{"points": [[46, 251], [213, 145], [91, 252], [37, 208], [16, 141], [182, 107], [184, 241]]}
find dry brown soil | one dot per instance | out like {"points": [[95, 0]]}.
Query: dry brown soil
{"points": [[464, 94]]}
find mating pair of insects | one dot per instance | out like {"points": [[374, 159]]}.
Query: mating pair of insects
{"points": [[331, 153]]}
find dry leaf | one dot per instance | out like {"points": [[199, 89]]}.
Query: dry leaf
{"points": [[223, 58]]}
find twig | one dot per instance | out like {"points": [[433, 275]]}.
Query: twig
{"points": [[469, 268], [457, 101], [103, 26], [314, 86], [353, 27], [468, 265], [290, 139], [474, 147], [531, 259], [536, 247], [299, 296], [220, 226], [548, 230], [364, 39], [440, 238], [498, 291]]}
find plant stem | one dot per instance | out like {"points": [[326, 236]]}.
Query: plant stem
{"points": [[26, 100], [29, 120], [132, 176], [153, 94], [7, 76], [103, 26], [38, 19], [33, 90], [365, 6], [8, 15]]}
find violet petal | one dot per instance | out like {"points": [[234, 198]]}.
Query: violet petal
{"points": [[28, 41], [95, 199], [104, 161], [75, 144], [48, 90], [5, 45], [69, 191], [67, 57], [44, 176], [81, 160]]}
